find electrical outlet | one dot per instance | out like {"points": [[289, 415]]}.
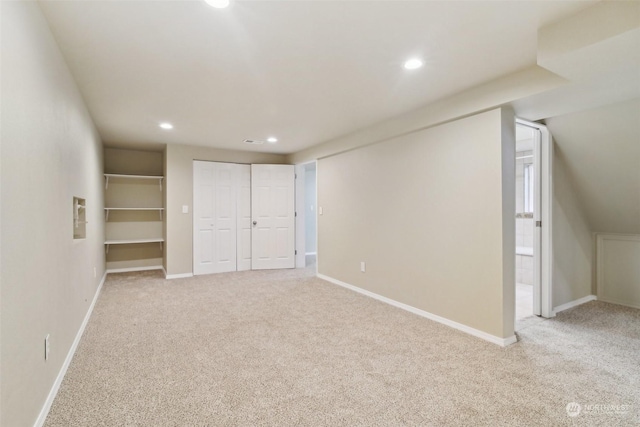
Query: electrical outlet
{"points": [[47, 347], [185, 209], [319, 210], [362, 266], [95, 272]]}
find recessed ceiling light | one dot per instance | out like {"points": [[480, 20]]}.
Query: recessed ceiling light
{"points": [[413, 63], [166, 125], [218, 4], [272, 139]]}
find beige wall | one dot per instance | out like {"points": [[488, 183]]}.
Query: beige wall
{"points": [[619, 269], [433, 216], [50, 153], [573, 250], [179, 184], [133, 162]]}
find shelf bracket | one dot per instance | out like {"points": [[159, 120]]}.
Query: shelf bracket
{"points": [[160, 183], [160, 214], [106, 182], [106, 215], [107, 251]]}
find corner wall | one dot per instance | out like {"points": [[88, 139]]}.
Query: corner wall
{"points": [[51, 152], [573, 247], [432, 214], [179, 192]]}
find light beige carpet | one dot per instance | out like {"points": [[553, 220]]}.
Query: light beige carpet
{"points": [[282, 348]]}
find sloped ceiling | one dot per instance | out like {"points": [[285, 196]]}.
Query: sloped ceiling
{"points": [[303, 71], [601, 148]]}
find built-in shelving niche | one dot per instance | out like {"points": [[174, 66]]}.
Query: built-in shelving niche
{"points": [[134, 209]]}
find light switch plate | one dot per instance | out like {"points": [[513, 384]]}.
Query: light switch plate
{"points": [[185, 209]]}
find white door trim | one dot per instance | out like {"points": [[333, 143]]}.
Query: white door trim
{"points": [[546, 200]]}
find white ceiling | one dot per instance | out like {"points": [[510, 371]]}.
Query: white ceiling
{"points": [[304, 71]]}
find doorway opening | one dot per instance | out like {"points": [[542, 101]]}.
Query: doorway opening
{"points": [[526, 175], [311, 244], [533, 224], [306, 216]]}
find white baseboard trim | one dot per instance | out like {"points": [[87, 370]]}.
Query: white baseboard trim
{"points": [[616, 302], [129, 269], [177, 276], [67, 361], [503, 342], [574, 303]]}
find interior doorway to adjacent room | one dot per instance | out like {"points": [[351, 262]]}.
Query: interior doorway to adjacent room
{"points": [[533, 223], [306, 216], [526, 192]]}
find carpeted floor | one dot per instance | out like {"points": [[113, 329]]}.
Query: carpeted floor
{"points": [[283, 348]]}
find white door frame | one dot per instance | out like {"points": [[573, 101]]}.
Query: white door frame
{"points": [[301, 244], [544, 153]]}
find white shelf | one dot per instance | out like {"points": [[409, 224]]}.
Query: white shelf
{"points": [[107, 210], [133, 242], [120, 176], [117, 175], [133, 209]]}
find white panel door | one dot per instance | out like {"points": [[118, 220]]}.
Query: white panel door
{"points": [[214, 217], [273, 215], [301, 244], [244, 217]]}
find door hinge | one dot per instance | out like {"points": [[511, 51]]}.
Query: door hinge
{"points": [[296, 252], [538, 223], [295, 175], [295, 214]]}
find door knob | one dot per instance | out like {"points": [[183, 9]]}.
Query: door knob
{"points": [[255, 222]]}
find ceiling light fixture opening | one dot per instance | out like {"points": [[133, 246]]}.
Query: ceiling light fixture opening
{"points": [[218, 4], [413, 64], [166, 125], [272, 139]]}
